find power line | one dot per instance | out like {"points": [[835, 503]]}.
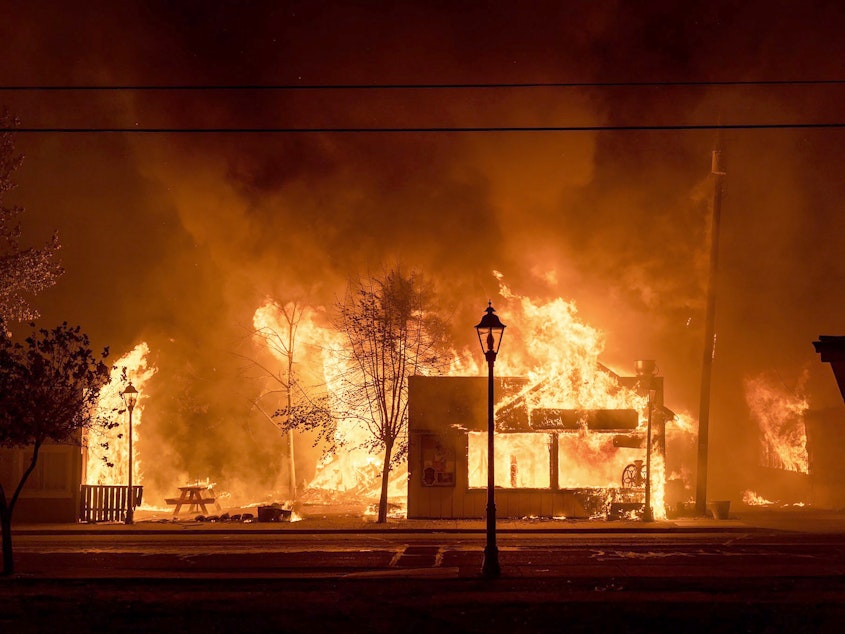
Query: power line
{"points": [[439, 129], [438, 86]]}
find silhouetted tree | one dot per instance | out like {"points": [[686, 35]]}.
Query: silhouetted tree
{"points": [[49, 386], [392, 333], [23, 272]]}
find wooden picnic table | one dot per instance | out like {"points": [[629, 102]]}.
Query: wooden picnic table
{"points": [[195, 496]]}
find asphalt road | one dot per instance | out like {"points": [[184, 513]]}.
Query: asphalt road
{"points": [[760, 554], [758, 581]]}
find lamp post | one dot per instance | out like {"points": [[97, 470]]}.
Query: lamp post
{"points": [[490, 331], [130, 397]]}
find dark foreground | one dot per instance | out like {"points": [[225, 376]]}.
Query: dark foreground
{"points": [[423, 605], [784, 573]]}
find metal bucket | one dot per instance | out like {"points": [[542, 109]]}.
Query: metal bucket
{"points": [[720, 509]]}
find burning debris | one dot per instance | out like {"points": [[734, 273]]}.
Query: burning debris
{"points": [[274, 513], [751, 498]]}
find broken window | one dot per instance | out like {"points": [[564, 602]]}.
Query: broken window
{"points": [[522, 460]]}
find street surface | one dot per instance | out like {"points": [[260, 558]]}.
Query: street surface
{"points": [[728, 577], [754, 554]]}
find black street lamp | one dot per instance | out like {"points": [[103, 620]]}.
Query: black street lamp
{"points": [[130, 397], [490, 331]]}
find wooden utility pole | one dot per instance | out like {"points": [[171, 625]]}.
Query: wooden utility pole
{"points": [[709, 351], [292, 319]]}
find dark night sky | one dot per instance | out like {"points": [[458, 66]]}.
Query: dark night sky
{"points": [[176, 238]]}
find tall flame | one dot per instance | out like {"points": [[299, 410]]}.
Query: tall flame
{"points": [[108, 450], [559, 354], [350, 469], [553, 347], [780, 417]]}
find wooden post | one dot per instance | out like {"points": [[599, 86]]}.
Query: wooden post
{"points": [[709, 350]]}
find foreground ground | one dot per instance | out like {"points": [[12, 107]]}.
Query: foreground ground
{"points": [[769, 573], [424, 605]]}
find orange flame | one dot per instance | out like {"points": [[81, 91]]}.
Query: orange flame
{"points": [[350, 470], [112, 446], [547, 343], [752, 499], [522, 460], [559, 354], [780, 417]]}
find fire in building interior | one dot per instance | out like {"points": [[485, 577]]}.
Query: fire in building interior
{"points": [[551, 461]]}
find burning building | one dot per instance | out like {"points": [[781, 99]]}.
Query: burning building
{"points": [[551, 460]]}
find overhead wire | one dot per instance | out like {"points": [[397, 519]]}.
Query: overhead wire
{"points": [[430, 130], [421, 129], [422, 86]]}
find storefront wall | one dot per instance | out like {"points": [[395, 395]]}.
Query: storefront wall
{"points": [[443, 412]]}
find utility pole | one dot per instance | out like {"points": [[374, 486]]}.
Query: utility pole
{"points": [[709, 351], [293, 324]]}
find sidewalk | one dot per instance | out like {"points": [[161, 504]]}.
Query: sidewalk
{"points": [[744, 520]]}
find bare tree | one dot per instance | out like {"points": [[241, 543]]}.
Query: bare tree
{"points": [[23, 272], [391, 333], [300, 403], [282, 343], [49, 387]]}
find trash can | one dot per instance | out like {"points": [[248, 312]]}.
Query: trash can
{"points": [[720, 509]]}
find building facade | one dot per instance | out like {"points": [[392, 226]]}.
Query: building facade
{"points": [[549, 462], [51, 493]]}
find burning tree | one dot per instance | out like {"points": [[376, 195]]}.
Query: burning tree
{"points": [[23, 272], [276, 325], [391, 333], [49, 387]]}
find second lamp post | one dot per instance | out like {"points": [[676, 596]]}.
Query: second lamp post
{"points": [[130, 397], [490, 331]]}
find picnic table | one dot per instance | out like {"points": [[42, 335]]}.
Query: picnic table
{"points": [[195, 496]]}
